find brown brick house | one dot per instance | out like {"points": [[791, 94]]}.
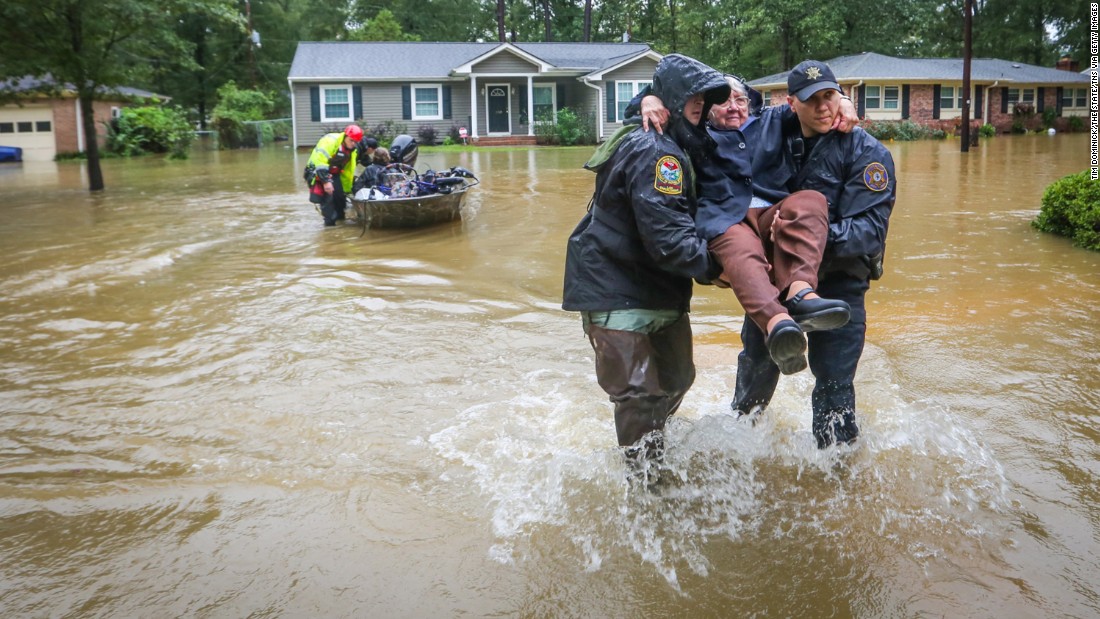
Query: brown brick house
{"points": [[45, 120], [929, 90]]}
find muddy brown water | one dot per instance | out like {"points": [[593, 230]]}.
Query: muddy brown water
{"points": [[211, 406]]}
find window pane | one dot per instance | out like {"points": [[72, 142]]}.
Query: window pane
{"points": [[1029, 95], [336, 103], [543, 95], [1013, 95], [872, 96], [947, 97], [7, 128], [427, 101], [1082, 98], [890, 100], [25, 127], [42, 126]]}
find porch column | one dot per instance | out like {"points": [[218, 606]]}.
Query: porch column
{"points": [[530, 106], [473, 105]]}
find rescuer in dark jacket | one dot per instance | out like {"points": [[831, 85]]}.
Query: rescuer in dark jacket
{"points": [[856, 174], [631, 259]]}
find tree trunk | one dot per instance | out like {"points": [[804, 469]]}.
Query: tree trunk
{"points": [[549, 31], [500, 20], [91, 143], [587, 21]]}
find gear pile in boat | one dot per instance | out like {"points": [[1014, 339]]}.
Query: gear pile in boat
{"points": [[399, 179]]}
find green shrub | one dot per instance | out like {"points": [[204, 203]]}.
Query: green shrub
{"points": [[901, 130], [1071, 208], [1075, 123], [150, 129], [987, 131], [235, 109], [567, 129]]}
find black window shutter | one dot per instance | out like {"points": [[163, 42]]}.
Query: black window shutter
{"points": [[1004, 100], [561, 96], [1039, 100], [611, 111], [1058, 98], [936, 101], [357, 102], [905, 101], [315, 103], [861, 109], [446, 102], [406, 102], [977, 102]]}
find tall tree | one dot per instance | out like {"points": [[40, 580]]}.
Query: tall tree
{"points": [[92, 45]]}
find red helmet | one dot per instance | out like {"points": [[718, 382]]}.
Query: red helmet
{"points": [[353, 132]]}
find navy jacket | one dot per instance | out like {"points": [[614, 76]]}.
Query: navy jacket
{"points": [[637, 247]]}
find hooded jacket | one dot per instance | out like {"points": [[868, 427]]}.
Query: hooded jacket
{"points": [[636, 247]]}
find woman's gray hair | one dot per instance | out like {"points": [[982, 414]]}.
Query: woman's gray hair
{"points": [[737, 86]]}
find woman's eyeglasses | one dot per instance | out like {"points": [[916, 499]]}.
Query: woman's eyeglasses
{"points": [[740, 101]]}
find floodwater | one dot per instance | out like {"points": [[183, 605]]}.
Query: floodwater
{"points": [[212, 406]]}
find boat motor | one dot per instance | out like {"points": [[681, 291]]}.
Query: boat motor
{"points": [[404, 150]]}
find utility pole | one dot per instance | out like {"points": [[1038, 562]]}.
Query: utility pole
{"points": [[967, 10], [252, 38]]}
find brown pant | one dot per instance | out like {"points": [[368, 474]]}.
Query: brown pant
{"points": [[770, 249], [645, 375]]}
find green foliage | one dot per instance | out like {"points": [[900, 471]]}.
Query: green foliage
{"points": [[150, 129], [387, 130], [1075, 123], [901, 130], [1071, 208], [987, 131], [569, 129], [382, 27], [235, 114]]}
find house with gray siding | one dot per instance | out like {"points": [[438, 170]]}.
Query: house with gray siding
{"points": [[929, 90], [493, 91]]}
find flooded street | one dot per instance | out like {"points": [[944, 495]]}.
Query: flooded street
{"points": [[212, 406]]}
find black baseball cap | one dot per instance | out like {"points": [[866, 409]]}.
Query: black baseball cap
{"points": [[370, 142], [810, 76]]}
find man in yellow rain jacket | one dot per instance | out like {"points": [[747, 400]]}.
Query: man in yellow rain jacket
{"points": [[331, 171]]}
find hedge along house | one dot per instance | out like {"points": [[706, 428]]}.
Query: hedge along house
{"points": [[45, 119], [492, 90], [929, 90]]}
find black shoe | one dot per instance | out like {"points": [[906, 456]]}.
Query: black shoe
{"points": [[787, 346], [817, 314], [835, 427]]}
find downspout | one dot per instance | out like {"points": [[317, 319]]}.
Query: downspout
{"points": [[293, 115], [985, 103], [79, 127], [850, 91], [599, 100]]}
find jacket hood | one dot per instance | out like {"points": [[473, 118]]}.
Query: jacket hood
{"points": [[678, 78]]}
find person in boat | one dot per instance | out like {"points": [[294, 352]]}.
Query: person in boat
{"points": [[333, 164], [372, 175], [798, 147], [367, 146], [630, 261]]}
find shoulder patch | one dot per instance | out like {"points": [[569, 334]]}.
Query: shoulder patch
{"points": [[876, 177], [669, 177]]}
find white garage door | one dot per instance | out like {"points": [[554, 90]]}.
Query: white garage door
{"points": [[29, 128]]}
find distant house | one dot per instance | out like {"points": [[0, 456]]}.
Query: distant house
{"points": [[492, 90], [46, 119], [929, 90]]}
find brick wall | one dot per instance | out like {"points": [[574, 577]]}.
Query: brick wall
{"points": [[65, 121]]}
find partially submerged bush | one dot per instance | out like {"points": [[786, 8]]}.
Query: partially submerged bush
{"points": [[235, 109], [150, 129], [1071, 208]]}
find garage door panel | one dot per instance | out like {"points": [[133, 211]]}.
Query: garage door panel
{"points": [[29, 128]]}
